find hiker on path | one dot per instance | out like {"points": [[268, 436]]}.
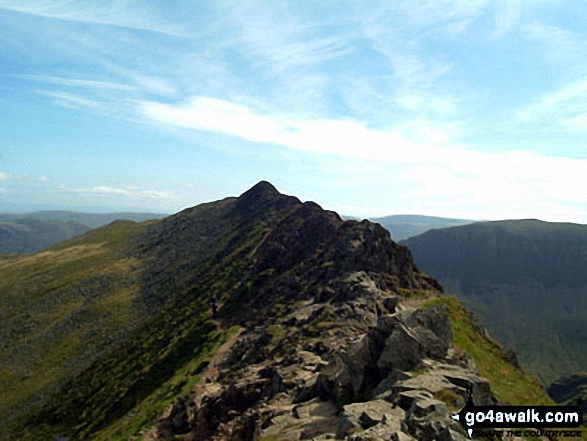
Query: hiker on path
{"points": [[214, 307]]}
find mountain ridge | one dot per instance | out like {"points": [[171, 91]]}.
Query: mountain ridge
{"points": [[301, 281]]}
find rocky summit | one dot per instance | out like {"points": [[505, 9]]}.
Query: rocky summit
{"points": [[322, 329]]}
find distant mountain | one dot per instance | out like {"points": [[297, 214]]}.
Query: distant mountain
{"points": [[403, 226], [32, 235], [32, 232], [527, 281], [91, 220], [326, 329]]}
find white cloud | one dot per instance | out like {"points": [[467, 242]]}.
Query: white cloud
{"points": [[564, 109], [435, 168], [43, 179], [120, 14], [277, 38], [506, 17], [10, 177], [129, 192], [336, 137], [563, 47], [154, 85], [76, 82], [70, 100]]}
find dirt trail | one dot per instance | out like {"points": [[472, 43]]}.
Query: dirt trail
{"points": [[211, 371], [203, 384]]}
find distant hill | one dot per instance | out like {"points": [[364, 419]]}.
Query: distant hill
{"points": [[32, 232], [526, 279], [32, 235], [91, 220], [403, 226]]}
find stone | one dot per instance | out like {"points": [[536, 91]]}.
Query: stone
{"points": [[391, 303], [403, 350], [364, 416], [428, 406]]}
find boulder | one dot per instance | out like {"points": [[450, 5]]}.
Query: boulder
{"points": [[414, 335], [365, 416], [403, 350]]}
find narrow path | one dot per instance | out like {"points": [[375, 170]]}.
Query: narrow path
{"points": [[210, 372]]}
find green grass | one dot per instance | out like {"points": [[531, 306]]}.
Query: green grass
{"points": [[115, 322], [60, 309], [510, 384], [145, 413]]}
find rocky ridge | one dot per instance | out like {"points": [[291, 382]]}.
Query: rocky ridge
{"points": [[303, 377], [337, 343]]}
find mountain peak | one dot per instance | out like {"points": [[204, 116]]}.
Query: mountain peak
{"points": [[264, 196], [260, 189]]}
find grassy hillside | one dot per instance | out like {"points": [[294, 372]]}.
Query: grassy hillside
{"points": [[106, 319], [510, 383], [61, 309], [525, 279]]}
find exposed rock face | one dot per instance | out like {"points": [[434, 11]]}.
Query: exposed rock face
{"points": [[336, 345], [400, 380]]}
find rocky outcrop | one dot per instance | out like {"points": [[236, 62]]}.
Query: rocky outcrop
{"points": [[399, 380]]}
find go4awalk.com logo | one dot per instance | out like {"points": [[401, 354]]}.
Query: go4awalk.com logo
{"points": [[478, 419]]}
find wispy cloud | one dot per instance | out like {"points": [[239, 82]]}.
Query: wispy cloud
{"points": [[564, 109], [432, 163], [70, 100], [76, 82], [12, 177], [104, 190], [336, 137], [110, 13], [506, 17], [562, 46]]}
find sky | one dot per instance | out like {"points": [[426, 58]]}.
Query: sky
{"points": [[472, 109]]}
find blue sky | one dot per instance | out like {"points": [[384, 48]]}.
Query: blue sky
{"points": [[472, 109]]}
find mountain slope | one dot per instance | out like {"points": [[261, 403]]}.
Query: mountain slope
{"points": [[526, 279], [101, 332], [403, 226], [32, 235], [32, 232]]}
